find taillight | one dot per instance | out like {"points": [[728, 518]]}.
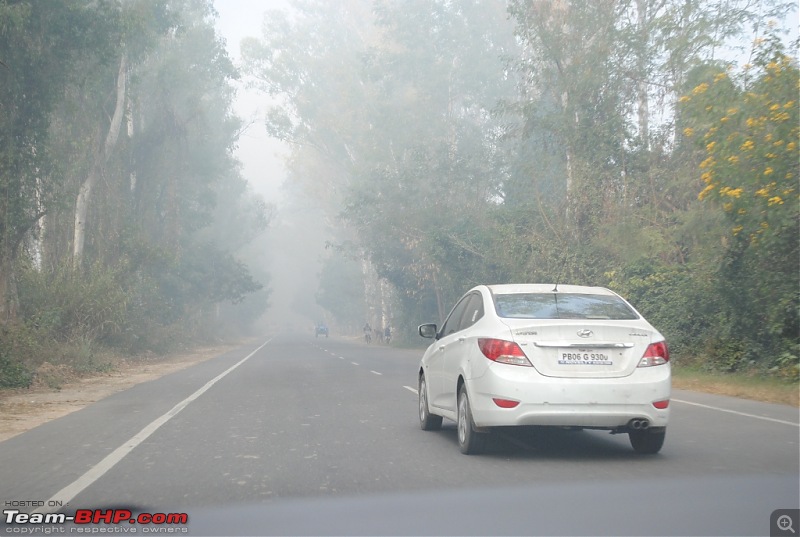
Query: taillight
{"points": [[656, 354], [505, 352]]}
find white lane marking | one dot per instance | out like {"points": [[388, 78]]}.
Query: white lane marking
{"points": [[354, 363], [375, 372], [737, 413], [65, 495], [409, 388]]}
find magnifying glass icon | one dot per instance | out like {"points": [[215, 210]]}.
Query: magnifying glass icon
{"points": [[784, 523]]}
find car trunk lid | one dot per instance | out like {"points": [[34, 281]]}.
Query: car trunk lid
{"points": [[582, 348]]}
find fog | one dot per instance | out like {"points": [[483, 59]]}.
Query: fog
{"points": [[190, 172]]}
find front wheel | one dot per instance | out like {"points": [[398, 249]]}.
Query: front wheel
{"points": [[469, 441], [427, 421], [647, 441]]}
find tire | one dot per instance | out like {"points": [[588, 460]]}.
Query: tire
{"points": [[647, 441], [427, 421], [469, 441]]}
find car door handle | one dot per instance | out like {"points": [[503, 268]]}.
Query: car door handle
{"points": [[462, 339]]}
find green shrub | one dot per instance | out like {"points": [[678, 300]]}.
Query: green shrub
{"points": [[69, 305], [18, 349]]}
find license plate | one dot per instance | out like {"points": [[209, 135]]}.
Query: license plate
{"points": [[583, 357]]}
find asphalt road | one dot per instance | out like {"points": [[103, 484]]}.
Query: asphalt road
{"points": [[316, 436]]}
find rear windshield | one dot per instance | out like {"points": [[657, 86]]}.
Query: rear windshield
{"points": [[562, 306]]}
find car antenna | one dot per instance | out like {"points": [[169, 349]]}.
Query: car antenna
{"points": [[560, 273]]}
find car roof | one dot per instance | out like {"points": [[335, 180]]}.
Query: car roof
{"points": [[514, 288]]}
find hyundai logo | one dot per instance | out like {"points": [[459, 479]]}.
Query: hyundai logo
{"points": [[585, 333]]}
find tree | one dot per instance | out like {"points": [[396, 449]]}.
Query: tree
{"points": [[41, 47], [748, 131]]}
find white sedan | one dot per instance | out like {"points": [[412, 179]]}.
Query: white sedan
{"points": [[532, 354]]}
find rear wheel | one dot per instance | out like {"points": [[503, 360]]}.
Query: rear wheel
{"points": [[469, 441], [647, 441], [427, 421]]}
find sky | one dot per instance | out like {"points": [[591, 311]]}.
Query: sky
{"points": [[260, 155]]}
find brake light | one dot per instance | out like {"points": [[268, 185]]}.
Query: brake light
{"points": [[661, 405], [656, 354], [504, 352]]}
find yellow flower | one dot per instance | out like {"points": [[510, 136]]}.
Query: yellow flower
{"points": [[688, 132], [684, 99], [705, 192], [747, 145], [732, 111], [734, 193], [707, 162], [720, 76], [728, 206], [700, 89], [775, 200], [790, 146], [733, 159], [737, 230], [762, 192], [768, 171], [710, 146], [706, 177]]}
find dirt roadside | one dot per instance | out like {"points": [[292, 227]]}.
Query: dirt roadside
{"points": [[24, 409]]}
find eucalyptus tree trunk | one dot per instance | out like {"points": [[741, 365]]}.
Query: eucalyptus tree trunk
{"points": [[642, 97], [101, 157]]}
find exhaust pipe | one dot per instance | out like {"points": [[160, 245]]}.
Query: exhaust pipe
{"points": [[638, 424]]}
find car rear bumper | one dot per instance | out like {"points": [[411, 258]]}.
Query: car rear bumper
{"points": [[603, 403]]}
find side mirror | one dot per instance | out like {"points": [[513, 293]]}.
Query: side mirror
{"points": [[427, 330]]}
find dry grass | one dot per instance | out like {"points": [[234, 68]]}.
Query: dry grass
{"points": [[744, 385]]}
